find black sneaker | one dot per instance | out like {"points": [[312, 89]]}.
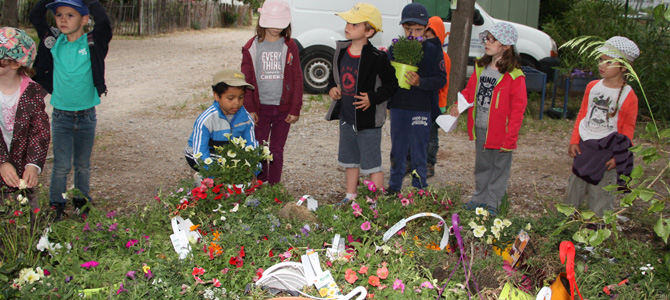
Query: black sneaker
{"points": [[78, 204], [59, 210], [388, 192], [431, 171]]}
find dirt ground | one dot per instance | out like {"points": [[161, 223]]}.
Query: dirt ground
{"points": [[159, 85]]}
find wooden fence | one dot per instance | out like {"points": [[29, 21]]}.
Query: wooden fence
{"points": [[147, 17]]}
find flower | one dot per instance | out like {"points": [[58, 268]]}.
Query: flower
{"points": [[113, 227], [479, 231], [365, 226], [498, 223], [404, 201], [426, 284], [198, 271], [407, 50], [131, 274], [480, 211], [371, 185], [197, 155], [208, 161], [121, 289], [89, 264], [363, 270], [22, 200], [496, 232], [528, 226], [350, 276], [357, 209], [383, 272], [22, 184], [131, 243], [398, 285], [507, 223], [373, 280], [216, 282], [86, 228], [489, 239], [231, 154]]}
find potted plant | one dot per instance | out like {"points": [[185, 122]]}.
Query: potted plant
{"points": [[407, 54]]}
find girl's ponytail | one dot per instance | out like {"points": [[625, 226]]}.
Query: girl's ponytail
{"points": [[616, 106]]}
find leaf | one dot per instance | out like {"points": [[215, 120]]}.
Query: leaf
{"points": [[635, 149], [587, 214], [565, 209], [581, 236], [650, 128], [662, 228], [629, 199], [666, 133], [609, 217], [637, 172], [559, 229], [600, 236], [648, 151], [667, 14], [646, 194], [656, 206], [611, 187]]}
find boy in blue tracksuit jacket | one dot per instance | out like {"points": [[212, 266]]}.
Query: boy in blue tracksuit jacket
{"points": [[225, 118], [411, 109]]}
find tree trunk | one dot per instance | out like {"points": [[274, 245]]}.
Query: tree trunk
{"points": [[10, 13], [459, 46]]}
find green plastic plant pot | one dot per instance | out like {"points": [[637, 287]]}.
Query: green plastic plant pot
{"points": [[400, 70]]}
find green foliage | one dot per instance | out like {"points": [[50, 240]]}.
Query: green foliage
{"points": [[229, 18], [407, 50], [233, 163]]}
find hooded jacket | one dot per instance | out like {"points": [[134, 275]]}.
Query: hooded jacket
{"points": [[435, 23], [508, 104], [291, 96], [375, 77]]}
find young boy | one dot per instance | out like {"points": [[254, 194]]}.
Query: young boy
{"points": [[411, 109], [225, 116], [70, 65], [357, 68]]}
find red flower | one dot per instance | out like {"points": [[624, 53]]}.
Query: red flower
{"points": [[265, 237], [198, 271], [157, 199], [277, 200], [232, 260], [36, 210], [270, 254], [217, 189], [17, 213], [211, 253], [12, 221], [219, 196], [242, 251]]}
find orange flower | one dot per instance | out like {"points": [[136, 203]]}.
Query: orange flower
{"points": [[350, 276], [383, 272], [216, 235], [194, 227], [373, 281], [435, 228], [363, 270], [216, 248]]}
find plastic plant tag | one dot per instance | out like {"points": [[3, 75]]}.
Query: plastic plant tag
{"points": [[511, 293], [312, 204], [311, 266], [286, 276], [302, 200], [517, 248], [402, 223], [180, 236], [544, 294], [327, 287]]}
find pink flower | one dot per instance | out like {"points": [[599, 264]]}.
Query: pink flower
{"points": [[198, 271], [383, 272], [146, 237], [121, 289], [131, 243], [404, 201], [86, 228], [208, 182], [89, 264], [365, 226], [46, 272], [216, 282], [225, 270], [373, 280], [427, 284], [198, 280], [350, 276], [398, 285], [371, 185], [357, 209], [363, 270]]}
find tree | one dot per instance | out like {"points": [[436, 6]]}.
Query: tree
{"points": [[10, 13], [459, 45]]}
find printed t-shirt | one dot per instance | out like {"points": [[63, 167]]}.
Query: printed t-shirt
{"points": [[487, 82], [270, 71], [73, 76], [597, 123], [348, 79]]}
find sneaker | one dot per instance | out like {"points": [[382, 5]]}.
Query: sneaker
{"points": [[342, 202], [472, 205], [431, 171], [78, 203], [388, 192], [59, 210]]}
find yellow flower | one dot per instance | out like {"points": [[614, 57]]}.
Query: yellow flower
{"points": [[222, 160], [146, 269], [528, 226], [480, 211], [235, 161], [266, 150], [231, 153]]}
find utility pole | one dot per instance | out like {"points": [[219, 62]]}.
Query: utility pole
{"points": [[459, 46]]}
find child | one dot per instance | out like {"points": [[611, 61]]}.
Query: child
{"points": [[498, 90], [70, 65], [225, 116], [357, 68], [411, 109], [604, 129], [24, 123], [271, 64]]}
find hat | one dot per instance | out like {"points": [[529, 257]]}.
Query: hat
{"points": [[275, 14], [503, 32], [620, 47], [232, 78], [76, 4], [363, 12], [16, 44], [414, 12]]}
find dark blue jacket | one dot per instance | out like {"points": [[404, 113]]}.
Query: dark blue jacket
{"points": [[433, 77]]}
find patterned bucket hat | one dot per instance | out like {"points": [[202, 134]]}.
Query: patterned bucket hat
{"points": [[16, 44], [503, 32], [620, 47]]}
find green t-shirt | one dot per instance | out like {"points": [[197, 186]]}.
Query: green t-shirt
{"points": [[73, 77]]}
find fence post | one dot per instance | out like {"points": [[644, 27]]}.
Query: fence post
{"points": [[140, 28]]}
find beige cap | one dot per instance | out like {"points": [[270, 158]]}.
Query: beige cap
{"points": [[363, 12], [231, 77]]}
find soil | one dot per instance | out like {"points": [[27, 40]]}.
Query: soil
{"points": [[158, 86]]}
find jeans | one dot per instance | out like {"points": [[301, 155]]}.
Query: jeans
{"points": [[433, 144], [410, 132], [272, 128], [73, 134]]}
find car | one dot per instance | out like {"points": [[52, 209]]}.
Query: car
{"points": [[316, 28]]}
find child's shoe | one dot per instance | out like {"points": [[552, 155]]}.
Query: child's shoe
{"points": [[431, 171], [78, 204], [59, 209]]}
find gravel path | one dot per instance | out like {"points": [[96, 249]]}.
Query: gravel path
{"points": [[159, 85]]}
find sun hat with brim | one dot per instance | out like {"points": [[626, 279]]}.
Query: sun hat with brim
{"points": [[275, 14], [503, 32], [76, 4], [16, 45], [620, 47], [363, 12], [414, 12], [232, 78]]}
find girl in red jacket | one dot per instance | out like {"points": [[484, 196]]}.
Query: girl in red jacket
{"points": [[271, 64], [604, 129], [498, 90]]}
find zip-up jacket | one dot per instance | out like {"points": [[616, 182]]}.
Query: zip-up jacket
{"points": [[291, 97], [212, 125], [375, 77], [433, 77], [98, 43], [508, 104], [627, 114], [30, 140]]}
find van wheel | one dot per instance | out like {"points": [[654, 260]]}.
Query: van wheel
{"points": [[316, 68]]}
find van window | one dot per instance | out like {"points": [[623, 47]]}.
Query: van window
{"points": [[439, 8]]}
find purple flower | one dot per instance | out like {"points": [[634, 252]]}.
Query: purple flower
{"points": [[409, 38], [85, 249], [111, 214], [89, 264], [99, 225], [419, 38], [68, 278], [86, 228], [113, 227], [131, 274], [121, 289], [394, 41], [148, 274]]}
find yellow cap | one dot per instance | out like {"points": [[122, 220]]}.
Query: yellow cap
{"points": [[363, 12]]}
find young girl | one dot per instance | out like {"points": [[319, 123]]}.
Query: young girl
{"points": [[24, 123], [604, 129], [271, 64], [498, 90]]}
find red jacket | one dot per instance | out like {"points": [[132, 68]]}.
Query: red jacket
{"points": [[506, 112], [291, 98], [627, 115]]}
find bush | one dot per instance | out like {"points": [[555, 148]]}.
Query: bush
{"points": [[229, 18], [605, 19]]}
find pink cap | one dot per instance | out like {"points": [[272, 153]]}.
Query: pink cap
{"points": [[275, 14]]}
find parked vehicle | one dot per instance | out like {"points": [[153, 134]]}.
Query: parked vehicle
{"points": [[316, 28]]}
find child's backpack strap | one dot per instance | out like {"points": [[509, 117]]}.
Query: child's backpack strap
{"points": [[91, 42]]}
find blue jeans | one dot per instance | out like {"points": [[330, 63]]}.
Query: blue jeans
{"points": [[72, 135], [433, 144], [410, 132]]}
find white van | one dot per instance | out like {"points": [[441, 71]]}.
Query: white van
{"points": [[315, 27]]}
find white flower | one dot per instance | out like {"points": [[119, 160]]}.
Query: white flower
{"points": [[479, 231], [192, 238], [472, 224], [231, 153], [43, 243], [528, 226], [489, 239], [208, 161], [221, 160], [235, 208], [228, 135], [480, 211], [22, 184], [223, 218], [197, 155], [235, 161], [495, 231], [22, 200], [249, 148], [498, 223], [246, 163], [266, 150], [507, 223], [64, 196], [28, 275]]}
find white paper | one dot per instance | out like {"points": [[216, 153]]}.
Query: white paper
{"points": [[463, 103], [448, 122]]}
